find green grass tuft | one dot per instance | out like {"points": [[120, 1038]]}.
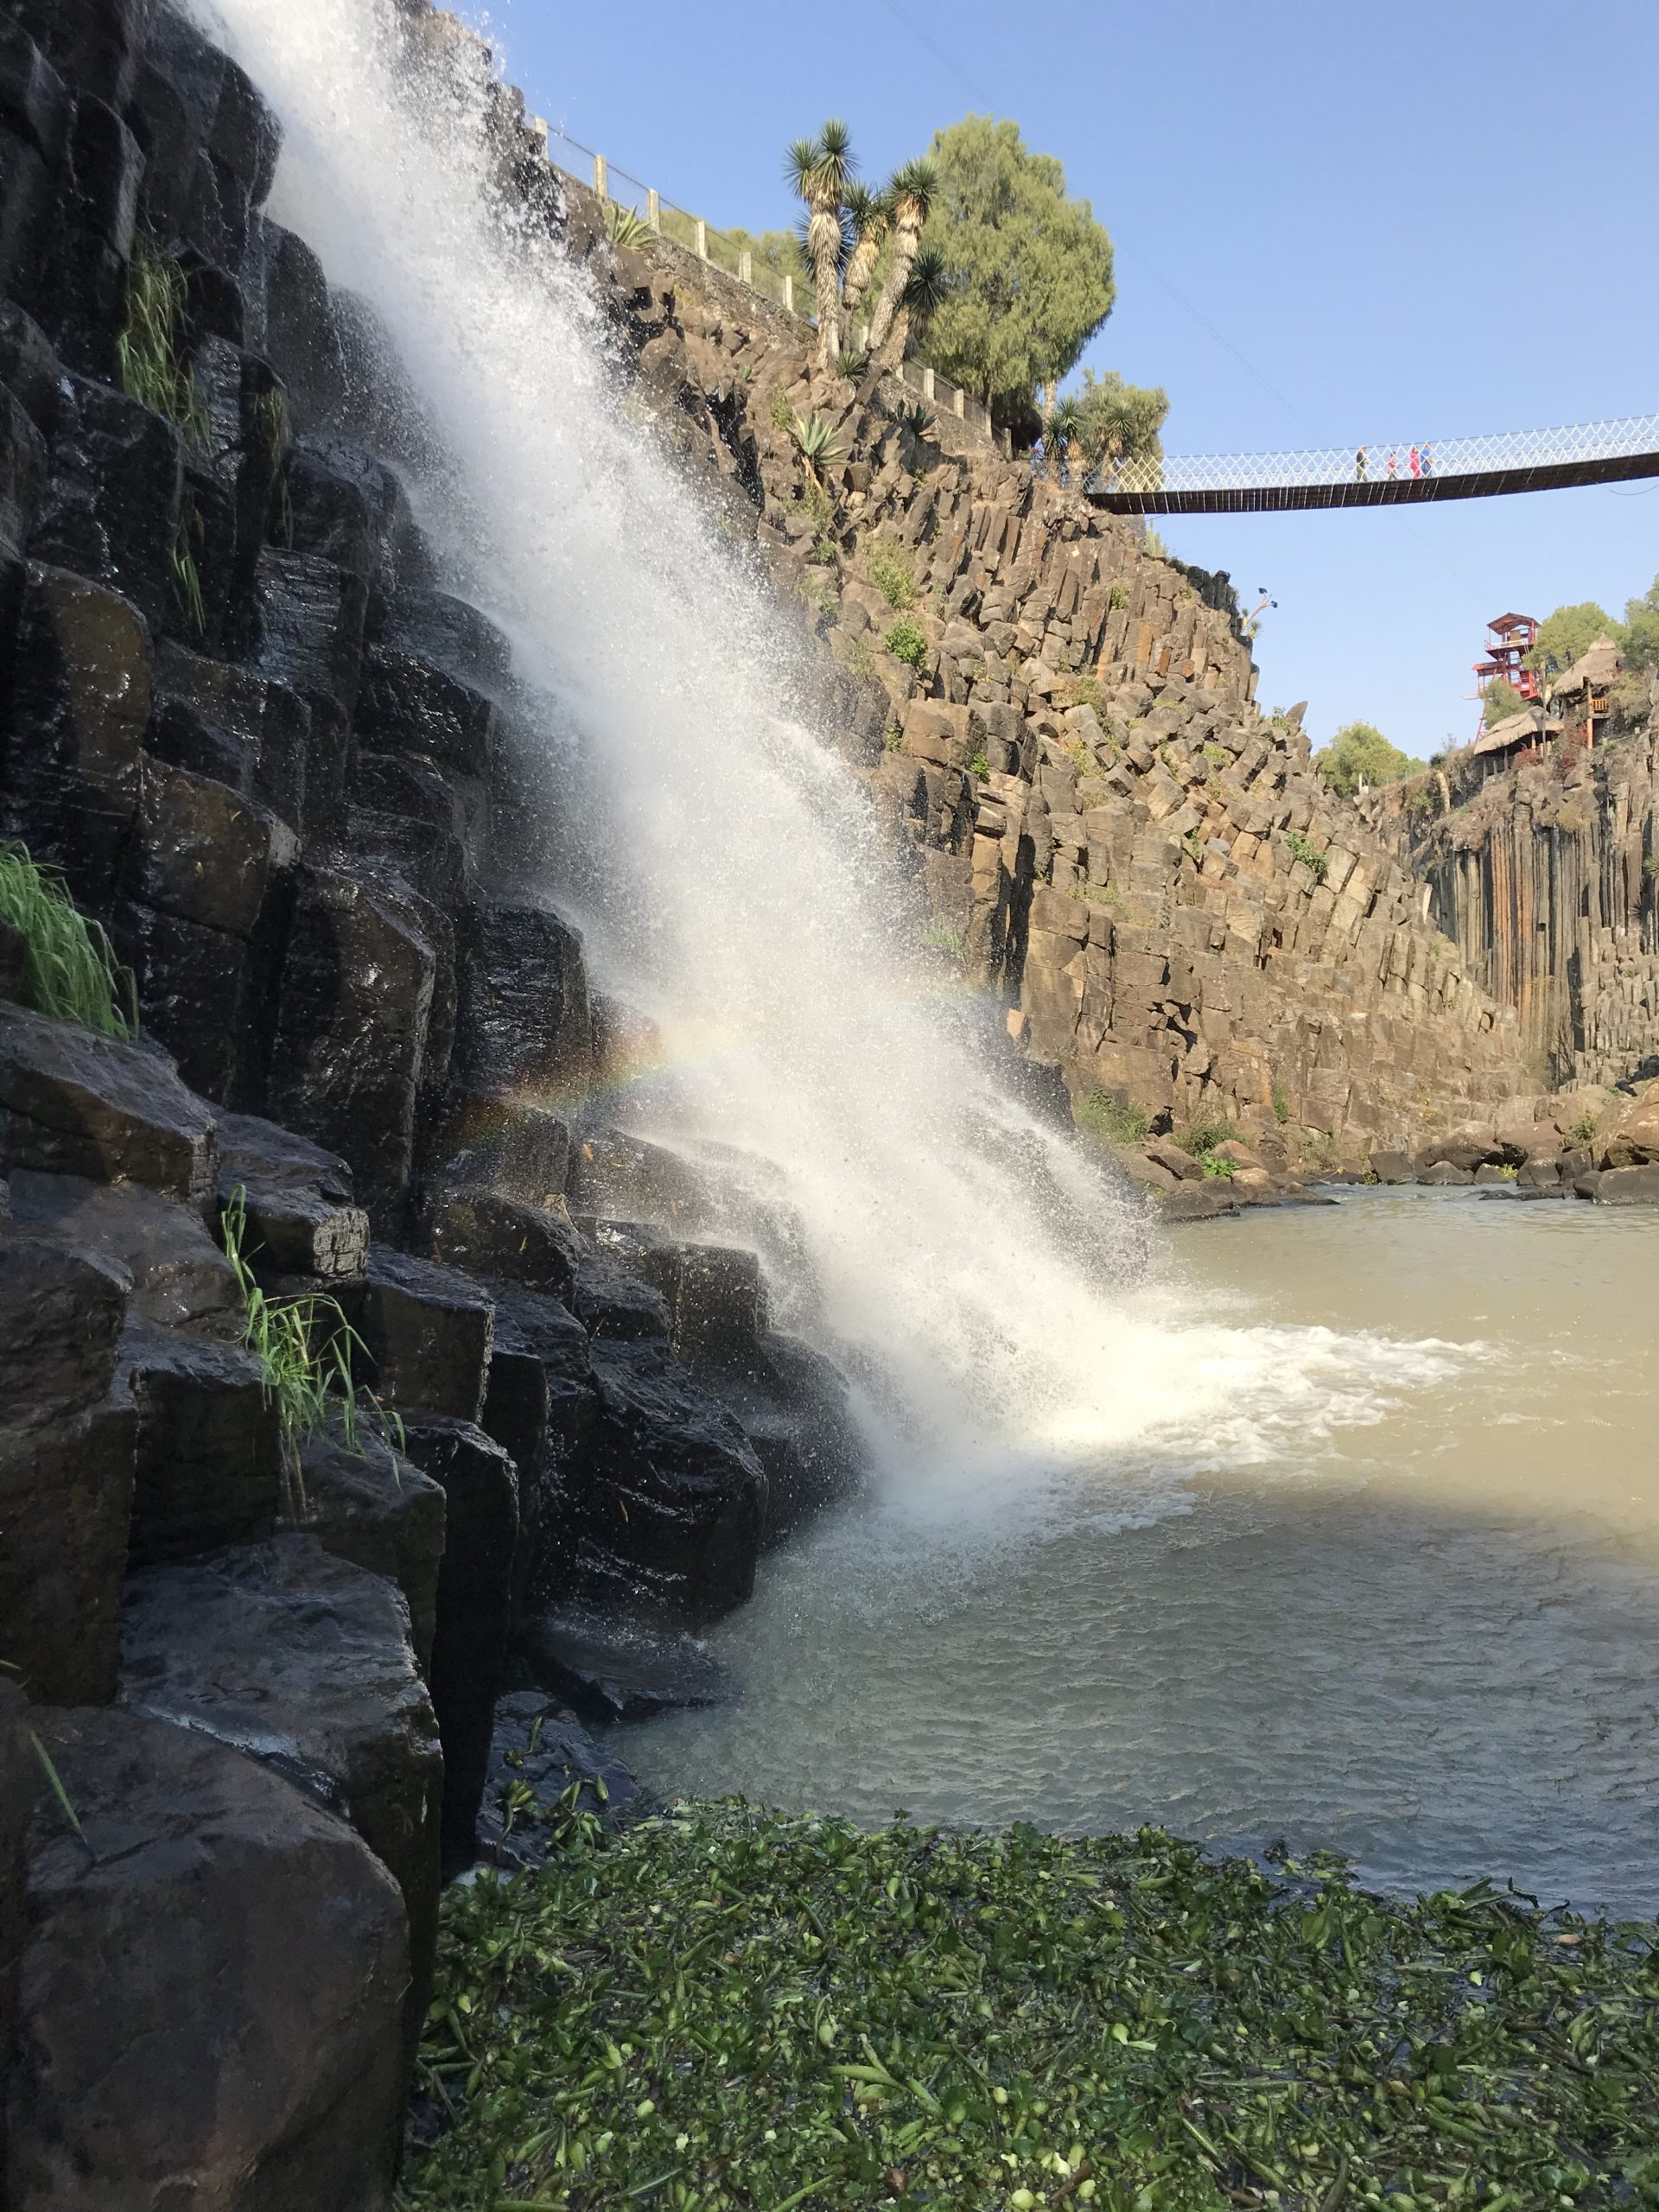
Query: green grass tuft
{"points": [[70, 970], [721, 2008], [943, 938], [150, 354], [893, 577], [1110, 1119], [1303, 848]]}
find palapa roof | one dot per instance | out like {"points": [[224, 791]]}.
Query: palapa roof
{"points": [[1595, 665], [1513, 730]]}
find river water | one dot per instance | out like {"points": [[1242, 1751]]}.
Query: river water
{"points": [[1424, 1632]]}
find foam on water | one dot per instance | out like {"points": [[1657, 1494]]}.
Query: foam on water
{"points": [[990, 1289]]}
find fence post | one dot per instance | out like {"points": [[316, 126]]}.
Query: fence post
{"points": [[789, 292], [653, 208], [927, 383], [960, 410], [745, 267], [601, 178], [702, 240]]}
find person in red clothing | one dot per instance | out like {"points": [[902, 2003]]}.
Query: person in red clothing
{"points": [[1414, 464]]}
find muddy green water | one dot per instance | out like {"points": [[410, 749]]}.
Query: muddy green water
{"points": [[1414, 1616]]}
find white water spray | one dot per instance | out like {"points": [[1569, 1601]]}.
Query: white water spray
{"points": [[746, 900]]}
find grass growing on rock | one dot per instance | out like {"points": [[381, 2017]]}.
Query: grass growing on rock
{"points": [[70, 970], [723, 2008]]}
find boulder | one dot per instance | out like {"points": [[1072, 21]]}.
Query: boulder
{"points": [[302, 1660], [794, 1408], [626, 1178], [1628, 1135], [300, 1217], [75, 1103], [1391, 1167], [522, 1151], [609, 1670], [427, 1331], [1201, 1201], [1629, 1186], [1487, 1173], [212, 1986], [485, 1233], [545, 1766], [480, 1486], [209, 1468], [1447, 1172], [180, 1275], [665, 1507], [1540, 1175], [373, 1506], [61, 1311], [1165, 1153]]}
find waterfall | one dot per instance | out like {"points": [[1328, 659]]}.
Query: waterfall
{"points": [[999, 1296]]}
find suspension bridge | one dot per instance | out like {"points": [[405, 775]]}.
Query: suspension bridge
{"points": [[1383, 476]]}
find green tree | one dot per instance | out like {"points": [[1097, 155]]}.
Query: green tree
{"points": [[821, 170], [778, 251], [1568, 633], [1359, 757], [1119, 421], [1501, 700], [1031, 270], [1639, 638]]}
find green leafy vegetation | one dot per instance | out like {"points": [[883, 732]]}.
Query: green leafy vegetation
{"points": [[906, 642], [54, 1782], [782, 414], [625, 226], [1359, 757], [304, 1346], [979, 767], [1303, 848], [918, 419], [1029, 270], [721, 2009], [1583, 1129], [1502, 700], [1638, 636], [893, 577], [182, 564], [778, 252], [150, 355], [1118, 421], [821, 170], [1118, 597], [1568, 633], [70, 970], [894, 738], [815, 441], [1109, 1118], [943, 938], [1280, 1104]]}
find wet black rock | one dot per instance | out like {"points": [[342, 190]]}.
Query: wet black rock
{"points": [[212, 1988], [372, 1505], [427, 1331], [111, 507], [311, 624], [74, 705], [210, 141], [523, 998], [545, 1766], [794, 1408], [75, 1103], [302, 1660], [485, 1233], [209, 1468], [94, 43], [249, 731], [62, 1310], [181, 1277], [480, 1485], [609, 1670], [666, 1508], [22, 1779], [623, 1178], [297, 1200]]}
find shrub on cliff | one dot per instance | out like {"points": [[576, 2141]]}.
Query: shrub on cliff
{"points": [[1359, 757]]}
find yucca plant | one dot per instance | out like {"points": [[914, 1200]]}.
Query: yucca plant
{"points": [[149, 353], [821, 170], [70, 970], [870, 214], [912, 191], [1060, 427], [926, 289]]}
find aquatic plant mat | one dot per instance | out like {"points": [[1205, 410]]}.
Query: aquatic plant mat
{"points": [[722, 2008]]}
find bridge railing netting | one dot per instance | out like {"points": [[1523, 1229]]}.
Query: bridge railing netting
{"points": [[1380, 462]]}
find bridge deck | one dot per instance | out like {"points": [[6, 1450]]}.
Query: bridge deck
{"points": [[1377, 492]]}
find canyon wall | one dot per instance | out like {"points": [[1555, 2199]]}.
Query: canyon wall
{"points": [[1546, 877]]}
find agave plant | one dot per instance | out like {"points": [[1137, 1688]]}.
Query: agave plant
{"points": [[918, 419], [624, 226], [821, 170], [814, 441], [852, 365], [912, 190]]}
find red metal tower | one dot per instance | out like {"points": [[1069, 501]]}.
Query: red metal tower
{"points": [[1509, 638]]}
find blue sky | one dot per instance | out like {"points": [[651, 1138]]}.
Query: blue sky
{"points": [[1333, 221]]}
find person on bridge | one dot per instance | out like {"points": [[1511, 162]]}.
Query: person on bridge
{"points": [[1414, 464], [1394, 467], [1359, 466], [1429, 467]]}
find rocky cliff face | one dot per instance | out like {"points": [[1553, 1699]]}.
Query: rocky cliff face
{"points": [[1547, 879], [1141, 865], [270, 751]]}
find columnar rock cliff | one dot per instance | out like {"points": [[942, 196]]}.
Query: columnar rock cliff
{"points": [[1138, 862], [1547, 878]]}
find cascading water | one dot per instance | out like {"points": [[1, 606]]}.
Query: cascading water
{"points": [[744, 900]]}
